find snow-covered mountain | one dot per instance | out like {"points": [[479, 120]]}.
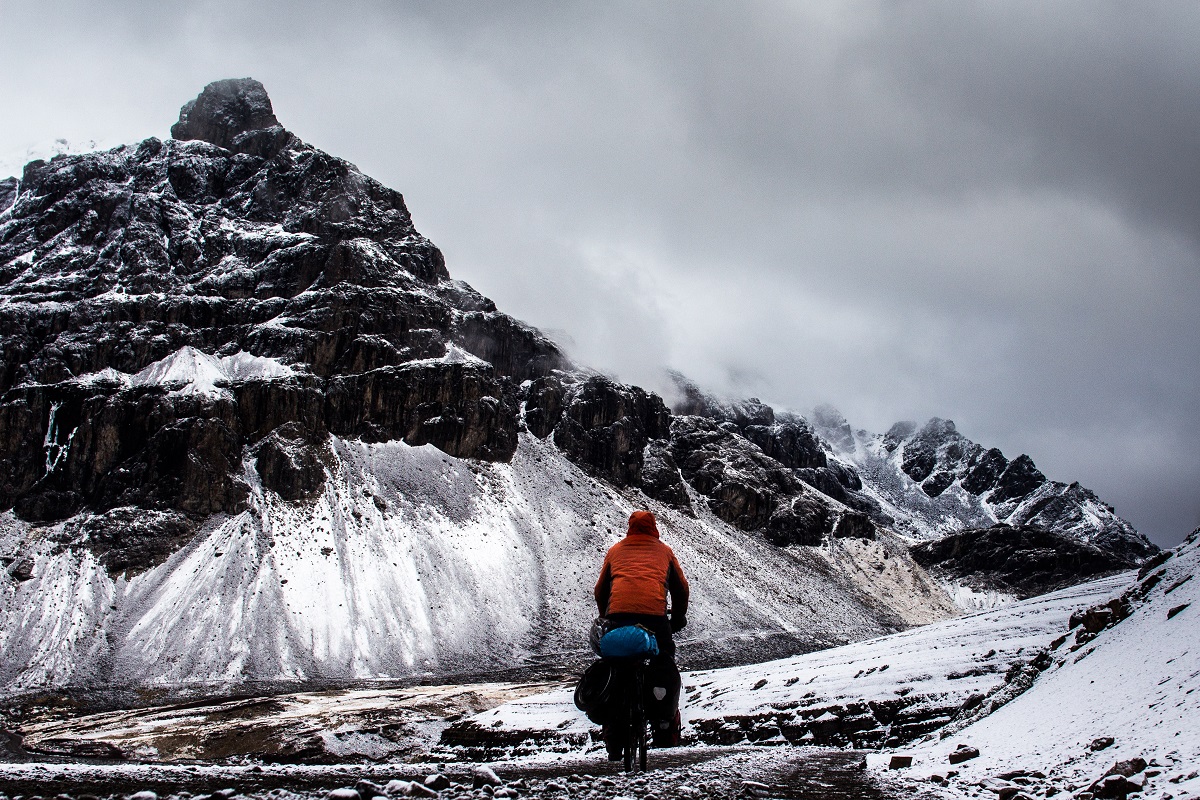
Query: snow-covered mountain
{"points": [[932, 481], [251, 429]]}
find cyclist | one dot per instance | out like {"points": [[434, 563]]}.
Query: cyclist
{"points": [[638, 573]]}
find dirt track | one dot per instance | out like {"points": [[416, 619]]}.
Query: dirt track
{"points": [[686, 773]]}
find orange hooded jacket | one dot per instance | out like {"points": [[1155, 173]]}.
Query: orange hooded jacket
{"points": [[638, 572]]}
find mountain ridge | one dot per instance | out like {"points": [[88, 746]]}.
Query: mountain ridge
{"points": [[235, 383]]}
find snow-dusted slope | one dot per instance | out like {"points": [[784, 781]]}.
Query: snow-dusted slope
{"points": [[1138, 683], [412, 562]]}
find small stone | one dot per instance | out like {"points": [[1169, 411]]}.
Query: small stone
{"points": [[367, 789], [900, 762], [1101, 743], [345, 793], [1127, 768], [1114, 786], [437, 781], [963, 753], [397, 786], [485, 776], [421, 790], [144, 795], [761, 683]]}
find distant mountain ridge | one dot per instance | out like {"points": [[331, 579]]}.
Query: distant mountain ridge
{"points": [[933, 481], [251, 429]]}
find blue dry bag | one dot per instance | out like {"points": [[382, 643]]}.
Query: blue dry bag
{"points": [[631, 640]]}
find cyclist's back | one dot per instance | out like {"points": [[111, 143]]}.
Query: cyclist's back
{"points": [[639, 573]]}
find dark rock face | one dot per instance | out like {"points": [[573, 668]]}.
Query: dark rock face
{"points": [[744, 486], [106, 448], [146, 446], [1019, 478], [605, 427], [661, 478], [235, 236], [1025, 561], [792, 448], [130, 539], [8, 192], [791, 443], [544, 401], [853, 525], [225, 110], [288, 464]]}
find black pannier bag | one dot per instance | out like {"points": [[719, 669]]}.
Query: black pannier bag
{"points": [[662, 690], [595, 691]]}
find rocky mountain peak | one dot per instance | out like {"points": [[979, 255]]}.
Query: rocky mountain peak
{"points": [[224, 111]]}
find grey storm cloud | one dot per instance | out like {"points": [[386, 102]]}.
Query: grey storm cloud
{"points": [[985, 211]]}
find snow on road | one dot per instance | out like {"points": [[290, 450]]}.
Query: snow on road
{"points": [[923, 675]]}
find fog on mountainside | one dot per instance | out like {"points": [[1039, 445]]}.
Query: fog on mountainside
{"points": [[255, 386]]}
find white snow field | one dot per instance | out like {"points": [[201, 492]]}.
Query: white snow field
{"points": [[1137, 682], [411, 564], [860, 694]]}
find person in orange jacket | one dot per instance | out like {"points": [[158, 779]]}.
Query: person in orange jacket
{"points": [[639, 573]]}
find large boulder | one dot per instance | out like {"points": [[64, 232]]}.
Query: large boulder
{"points": [[225, 110]]}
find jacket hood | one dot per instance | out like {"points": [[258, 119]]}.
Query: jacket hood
{"points": [[642, 522]]}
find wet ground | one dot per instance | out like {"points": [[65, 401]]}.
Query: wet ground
{"points": [[684, 773]]}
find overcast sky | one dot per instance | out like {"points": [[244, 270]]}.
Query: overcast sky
{"points": [[988, 212]]}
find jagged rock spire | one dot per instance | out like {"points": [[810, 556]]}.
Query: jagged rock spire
{"points": [[224, 110]]}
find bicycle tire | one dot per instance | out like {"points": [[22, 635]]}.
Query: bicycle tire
{"points": [[630, 745], [642, 744], [640, 700]]}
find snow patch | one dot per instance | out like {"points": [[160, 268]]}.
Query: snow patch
{"points": [[972, 600], [191, 371]]}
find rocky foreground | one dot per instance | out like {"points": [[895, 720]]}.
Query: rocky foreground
{"points": [[682, 774]]}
